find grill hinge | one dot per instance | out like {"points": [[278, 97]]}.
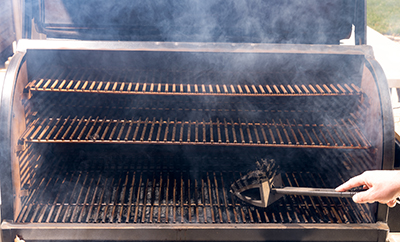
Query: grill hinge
{"points": [[27, 94], [21, 146]]}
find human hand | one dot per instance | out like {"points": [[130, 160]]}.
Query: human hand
{"points": [[383, 187]]}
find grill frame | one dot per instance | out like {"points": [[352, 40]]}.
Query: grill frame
{"points": [[214, 232], [318, 232]]}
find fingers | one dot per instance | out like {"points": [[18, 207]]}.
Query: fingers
{"points": [[353, 182], [382, 186], [370, 196]]}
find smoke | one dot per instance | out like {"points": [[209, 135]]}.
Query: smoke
{"points": [[276, 21], [255, 21]]}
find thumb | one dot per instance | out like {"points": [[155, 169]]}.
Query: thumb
{"points": [[362, 197], [392, 203]]}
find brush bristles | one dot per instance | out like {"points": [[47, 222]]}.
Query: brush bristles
{"points": [[266, 170]]}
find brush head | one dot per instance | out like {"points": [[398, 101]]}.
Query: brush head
{"points": [[256, 186]]}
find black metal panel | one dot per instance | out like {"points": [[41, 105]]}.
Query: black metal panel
{"points": [[211, 232], [7, 33], [397, 154], [360, 22], [272, 21]]}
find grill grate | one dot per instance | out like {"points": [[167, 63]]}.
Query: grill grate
{"points": [[188, 83], [51, 85], [276, 133], [175, 197]]}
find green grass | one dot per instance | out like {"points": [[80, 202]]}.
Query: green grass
{"points": [[384, 16]]}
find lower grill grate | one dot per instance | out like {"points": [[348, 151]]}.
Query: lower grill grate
{"points": [[177, 197]]}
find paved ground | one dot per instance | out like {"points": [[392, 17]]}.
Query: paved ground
{"points": [[387, 53]]}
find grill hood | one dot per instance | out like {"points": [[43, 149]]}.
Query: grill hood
{"points": [[274, 21]]}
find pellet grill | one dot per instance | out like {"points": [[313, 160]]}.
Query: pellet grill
{"points": [[132, 119]]}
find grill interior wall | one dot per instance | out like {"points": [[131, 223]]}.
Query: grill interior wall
{"points": [[191, 128]]}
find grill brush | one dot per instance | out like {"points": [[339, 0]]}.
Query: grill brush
{"points": [[263, 187]]}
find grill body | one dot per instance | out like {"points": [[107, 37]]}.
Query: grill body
{"points": [[141, 140]]}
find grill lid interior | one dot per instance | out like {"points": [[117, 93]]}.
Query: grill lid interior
{"points": [[272, 21]]}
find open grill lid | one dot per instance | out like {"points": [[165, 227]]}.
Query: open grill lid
{"points": [[254, 21]]}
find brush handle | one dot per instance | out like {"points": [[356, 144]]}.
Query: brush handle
{"points": [[308, 191]]}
